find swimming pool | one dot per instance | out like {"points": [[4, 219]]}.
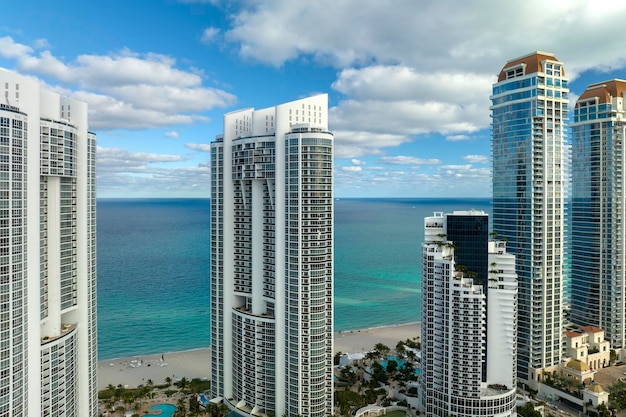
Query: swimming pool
{"points": [[400, 362], [166, 410]]}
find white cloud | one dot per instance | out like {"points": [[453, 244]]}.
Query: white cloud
{"points": [[120, 160], [433, 36], [10, 49], [358, 162], [408, 103], [125, 90], [171, 134], [476, 159], [349, 144], [41, 44], [136, 174], [202, 147], [433, 72], [210, 34], [407, 160], [352, 169], [457, 138]]}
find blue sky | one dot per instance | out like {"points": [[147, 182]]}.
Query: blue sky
{"points": [[408, 80]]}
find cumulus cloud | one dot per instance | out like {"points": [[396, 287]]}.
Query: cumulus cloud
{"points": [[349, 144], [407, 160], [124, 90], [432, 73], [202, 147], [210, 34], [476, 159], [358, 162], [124, 174], [171, 134], [457, 138], [352, 169], [449, 34], [121, 160], [410, 103]]}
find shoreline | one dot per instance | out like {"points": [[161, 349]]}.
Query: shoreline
{"points": [[132, 371]]}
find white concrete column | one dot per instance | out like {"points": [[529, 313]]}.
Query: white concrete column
{"points": [[52, 327], [258, 305]]}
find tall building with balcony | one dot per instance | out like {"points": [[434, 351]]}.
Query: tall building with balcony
{"points": [[48, 340], [272, 260], [529, 110], [598, 240], [468, 325]]}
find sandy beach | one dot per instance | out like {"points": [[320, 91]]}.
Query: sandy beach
{"points": [[136, 370]]}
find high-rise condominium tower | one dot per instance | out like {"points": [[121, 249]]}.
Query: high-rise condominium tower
{"points": [[468, 319], [48, 341], [272, 260], [597, 213], [529, 110]]}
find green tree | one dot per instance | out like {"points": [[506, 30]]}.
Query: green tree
{"points": [[381, 348], [528, 410], [182, 383], [603, 411]]}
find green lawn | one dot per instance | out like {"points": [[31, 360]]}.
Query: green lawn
{"points": [[396, 414]]}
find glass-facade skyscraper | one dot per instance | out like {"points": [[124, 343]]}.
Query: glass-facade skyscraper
{"points": [[272, 260], [529, 111], [597, 214]]}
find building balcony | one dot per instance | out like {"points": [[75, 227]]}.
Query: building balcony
{"points": [[65, 330]]}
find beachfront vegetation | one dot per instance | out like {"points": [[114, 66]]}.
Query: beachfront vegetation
{"points": [[117, 400], [370, 381]]}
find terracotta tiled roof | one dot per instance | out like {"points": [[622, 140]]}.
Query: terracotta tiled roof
{"points": [[571, 334], [604, 91], [534, 63], [591, 329]]}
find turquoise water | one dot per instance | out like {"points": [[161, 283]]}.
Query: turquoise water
{"points": [[166, 410], [400, 362], [153, 268]]}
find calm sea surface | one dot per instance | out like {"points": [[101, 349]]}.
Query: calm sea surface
{"points": [[153, 268]]}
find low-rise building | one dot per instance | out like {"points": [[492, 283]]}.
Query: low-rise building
{"points": [[586, 344]]}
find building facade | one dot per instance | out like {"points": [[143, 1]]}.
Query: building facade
{"points": [[598, 240], [529, 110], [48, 340], [468, 333], [272, 260]]}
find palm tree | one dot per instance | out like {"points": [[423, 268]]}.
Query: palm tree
{"points": [[182, 384], [168, 381], [181, 407]]}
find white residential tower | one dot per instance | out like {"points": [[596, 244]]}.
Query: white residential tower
{"points": [[468, 326], [272, 260], [48, 340]]}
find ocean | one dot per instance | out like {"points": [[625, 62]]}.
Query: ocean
{"points": [[153, 268]]}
